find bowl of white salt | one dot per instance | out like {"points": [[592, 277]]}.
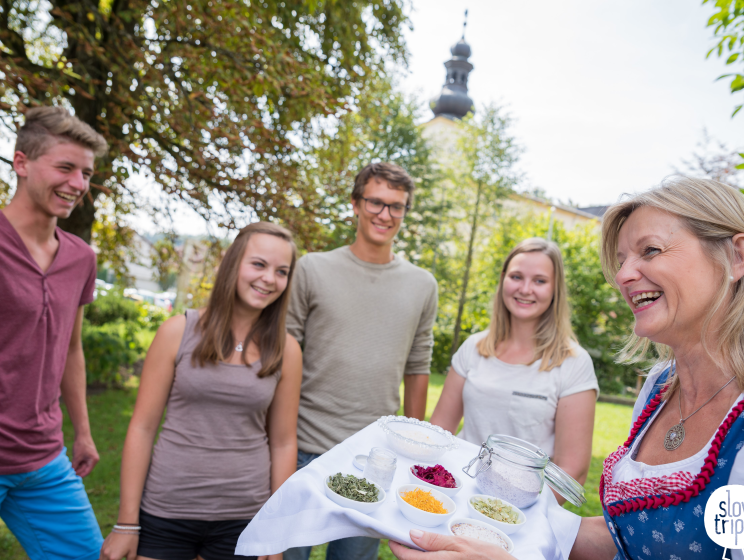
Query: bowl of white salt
{"points": [[416, 439], [474, 529]]}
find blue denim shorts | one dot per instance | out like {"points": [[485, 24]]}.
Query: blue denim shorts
{"points": [[49, 513]]}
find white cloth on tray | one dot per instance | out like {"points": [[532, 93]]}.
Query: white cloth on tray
{"points": [[300, 514]]}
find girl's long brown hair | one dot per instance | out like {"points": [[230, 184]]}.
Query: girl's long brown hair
{"points": [[554, 339], [269, 332]]}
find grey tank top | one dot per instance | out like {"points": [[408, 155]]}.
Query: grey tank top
{"points": [[211, 461]]}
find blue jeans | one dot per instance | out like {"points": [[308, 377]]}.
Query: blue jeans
{"points": [[352, 548], [49, 513]]}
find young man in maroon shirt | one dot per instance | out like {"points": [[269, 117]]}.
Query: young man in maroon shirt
{"points": [[46, 277]]}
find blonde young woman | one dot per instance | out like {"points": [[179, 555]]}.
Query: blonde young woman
{"points": [[230, 377], [676, 255], [526, 376]]}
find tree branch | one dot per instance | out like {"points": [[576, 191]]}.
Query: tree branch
{"points": [[4, 160], [104, 190], [12, 39], [206, 45]]}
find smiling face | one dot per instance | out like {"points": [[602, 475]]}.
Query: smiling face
{"points": [[378, 229], [528, 286], [264, 271], [665, 277], [56, 181]]}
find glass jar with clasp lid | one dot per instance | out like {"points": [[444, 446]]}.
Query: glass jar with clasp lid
{"points": [[514, 470]]}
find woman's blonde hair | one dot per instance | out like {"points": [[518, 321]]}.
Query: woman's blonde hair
{"points": [[269, 333], [554, 338], [714, 213]]}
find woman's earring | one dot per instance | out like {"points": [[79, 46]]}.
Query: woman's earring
{"points": [[731, 278]]}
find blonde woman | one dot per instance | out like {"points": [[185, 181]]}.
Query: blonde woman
{"points": [[676, 255], [526, 376]]}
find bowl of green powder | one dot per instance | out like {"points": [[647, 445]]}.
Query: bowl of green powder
{"points": [[498, 513], [352, 492]]}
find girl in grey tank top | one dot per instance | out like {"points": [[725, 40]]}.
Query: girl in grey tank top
{"points": [[229, 377], [215, 426]]}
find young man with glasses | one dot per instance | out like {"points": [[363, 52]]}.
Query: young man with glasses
{"points": [[364, 316]]}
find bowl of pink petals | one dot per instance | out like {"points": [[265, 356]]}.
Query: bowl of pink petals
{"points": [[435, 476]]}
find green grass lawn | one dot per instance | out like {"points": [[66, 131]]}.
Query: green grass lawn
{"points": [[110, 413]]}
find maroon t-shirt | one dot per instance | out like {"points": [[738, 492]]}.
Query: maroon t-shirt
{"points": [[37, 315]]}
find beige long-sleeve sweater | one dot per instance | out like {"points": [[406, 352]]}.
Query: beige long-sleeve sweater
{"points": [[362, 327]]}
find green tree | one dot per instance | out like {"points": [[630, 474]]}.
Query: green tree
{"points": [[204, 96], [600, 317], [728, 25], [5, 193], [114, 241], [166, 260], [477, 177]]}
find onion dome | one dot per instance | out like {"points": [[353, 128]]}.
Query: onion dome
{"points": [[454, 102]]}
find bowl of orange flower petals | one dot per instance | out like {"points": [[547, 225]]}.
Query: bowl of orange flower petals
{"points": [[424, 506]]}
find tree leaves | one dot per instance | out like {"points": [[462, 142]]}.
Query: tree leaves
{"points": [[207, 97], [728, 25]]}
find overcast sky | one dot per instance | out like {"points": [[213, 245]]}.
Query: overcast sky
{"points": [[609, 96]]}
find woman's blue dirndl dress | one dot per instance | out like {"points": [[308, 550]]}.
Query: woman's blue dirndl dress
{"points": [[670, 526]]}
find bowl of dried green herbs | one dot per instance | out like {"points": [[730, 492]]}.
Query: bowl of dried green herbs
{"points": [[498, 513], [352, 492]]}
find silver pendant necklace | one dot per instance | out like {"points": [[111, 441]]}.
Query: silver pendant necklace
{"points": [[239, 347], [676, 434]]}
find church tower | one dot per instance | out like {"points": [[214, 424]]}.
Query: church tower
{"points": [[454, 102]]}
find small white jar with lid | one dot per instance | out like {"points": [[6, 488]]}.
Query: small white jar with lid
{"points": [[380, 467]]}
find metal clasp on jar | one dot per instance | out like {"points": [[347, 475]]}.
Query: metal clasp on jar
{"points": [[481, 455]]}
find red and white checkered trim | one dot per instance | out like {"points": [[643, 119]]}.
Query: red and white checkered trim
{"points": [[640, 487], [666, 498]]}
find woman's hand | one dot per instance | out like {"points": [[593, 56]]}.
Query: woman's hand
{"points": [[442, 547], [118, 546]]}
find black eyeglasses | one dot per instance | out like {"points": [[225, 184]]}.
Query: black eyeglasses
{"points": [[374, 206]]}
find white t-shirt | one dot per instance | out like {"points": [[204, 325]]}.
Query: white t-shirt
{"points": [[517, 400]]}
